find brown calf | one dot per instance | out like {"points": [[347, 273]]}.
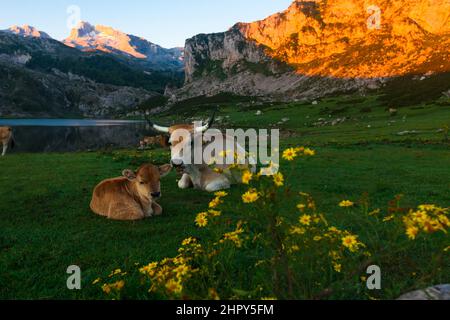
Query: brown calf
{"points": [[132, 196]]}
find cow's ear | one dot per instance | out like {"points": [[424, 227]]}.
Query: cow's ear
{"points": [[165, 170], [129, 174]]}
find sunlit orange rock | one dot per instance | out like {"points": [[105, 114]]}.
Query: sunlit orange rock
{"points": [[334, 37]]}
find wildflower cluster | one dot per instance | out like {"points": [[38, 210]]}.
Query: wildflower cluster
{"points": [[428, 219], [113, 286], [170, 274], [292, 153], [202, 218], [313, 232], [234, 236]]}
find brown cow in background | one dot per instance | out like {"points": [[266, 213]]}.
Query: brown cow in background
{"points": [[6, 138], [161, 140]]}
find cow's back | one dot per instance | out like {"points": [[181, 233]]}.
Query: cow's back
{"points": [[114, 199]]}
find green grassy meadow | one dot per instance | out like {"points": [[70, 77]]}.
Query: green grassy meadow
{"points": [[46, 224]]}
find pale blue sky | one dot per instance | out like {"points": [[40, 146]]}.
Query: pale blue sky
{"points": [[165, 22]]}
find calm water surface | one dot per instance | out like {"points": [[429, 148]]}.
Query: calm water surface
{"points": [[66, 135]]}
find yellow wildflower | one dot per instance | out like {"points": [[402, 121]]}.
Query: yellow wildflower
{"points": [[234, 236], [214, 213], [444, 220], [118, 285], [149, 269], [289, 154], [304, 194], [250, 196], [350, 242], [179, 260], [202, 220], [213, 294], [305, 219], [96, 281], [247, 177], [297, 230], [337, 267], [181, 270], [174, 286], [309, 152], [346, 204], [334, 230], [221, 194], [278, 179], [106, 288], [188, 241], [427, 207], [215, 203], [412, 232]]}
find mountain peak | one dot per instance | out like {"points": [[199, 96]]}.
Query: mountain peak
{"points": [[28, 31], [88, 37], [82, 29]]}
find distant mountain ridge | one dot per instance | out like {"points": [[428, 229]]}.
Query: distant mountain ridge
{"points": [[42, 77], [27, 31], [87, 37]]}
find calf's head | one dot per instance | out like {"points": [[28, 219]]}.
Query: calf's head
{"points": [[146, 179]]}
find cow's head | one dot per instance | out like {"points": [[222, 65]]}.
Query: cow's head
{"points": [[146, 179], [181, 137]]}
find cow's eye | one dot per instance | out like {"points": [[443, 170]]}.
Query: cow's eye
{"points": [[142, 182]]}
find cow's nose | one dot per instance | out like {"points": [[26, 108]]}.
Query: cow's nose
{"points": [[156, 194], [177, 163]]}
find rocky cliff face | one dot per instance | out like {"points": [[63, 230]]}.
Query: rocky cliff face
{"points": [[106, 39], [320, 47]]}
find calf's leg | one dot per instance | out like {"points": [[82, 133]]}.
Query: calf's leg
{"points": [[125, 212]]}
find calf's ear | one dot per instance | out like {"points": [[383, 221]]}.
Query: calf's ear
{"points": [[129, 174], [165, 170]]}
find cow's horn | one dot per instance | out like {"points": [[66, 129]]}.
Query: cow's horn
{"points": [[209, 124], [157, 127]]}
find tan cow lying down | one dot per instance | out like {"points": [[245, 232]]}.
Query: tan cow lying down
{"points": [[6, 138], [132, 196], [161, 140]]}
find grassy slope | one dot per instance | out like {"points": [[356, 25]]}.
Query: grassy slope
{"points": [[46, 224]]}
